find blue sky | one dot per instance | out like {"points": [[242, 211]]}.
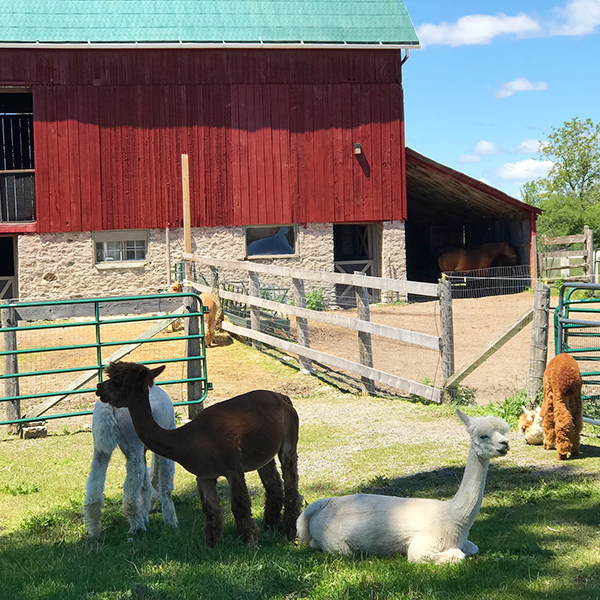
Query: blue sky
{"points": [[492, 79]]}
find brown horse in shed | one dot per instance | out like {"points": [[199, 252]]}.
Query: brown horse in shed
{"points": [[469, 258]]}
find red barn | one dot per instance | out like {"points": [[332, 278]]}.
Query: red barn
{"points": [[291, 114]]}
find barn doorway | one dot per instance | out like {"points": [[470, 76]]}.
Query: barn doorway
{"points": [[8, 267], [355, 250]]}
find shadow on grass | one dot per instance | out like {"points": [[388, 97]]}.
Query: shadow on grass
{"points": [[532, 522]]}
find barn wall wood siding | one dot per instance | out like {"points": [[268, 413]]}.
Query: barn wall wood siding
{"points": [[269, 134]]}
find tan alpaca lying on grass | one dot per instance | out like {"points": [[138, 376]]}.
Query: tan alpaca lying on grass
{"points": [[530, 425], [425, 530]]}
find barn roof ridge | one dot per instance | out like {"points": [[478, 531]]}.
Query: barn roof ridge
{"points": [[215, 23]]}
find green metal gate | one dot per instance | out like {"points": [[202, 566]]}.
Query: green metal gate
{"points": [[577, 331], [97, 331]]}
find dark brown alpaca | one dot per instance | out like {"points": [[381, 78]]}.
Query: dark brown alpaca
{"points": [[229, 438], [561, 408]]}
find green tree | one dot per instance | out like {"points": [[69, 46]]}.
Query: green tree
{"points": [[570, 194]]}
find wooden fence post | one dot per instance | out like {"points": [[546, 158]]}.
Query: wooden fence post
{"points": [[254, 290], [216, 294], [192, 347], [447, 330], [365, 348], [538, 352], [302, 326], [11, 365], [588, 246]]}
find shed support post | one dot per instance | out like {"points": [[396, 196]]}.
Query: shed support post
{"points": [[11, 365], [447, 330], [365, 348], [254, 290], [302, 326], [538, 352], [192, 347]]}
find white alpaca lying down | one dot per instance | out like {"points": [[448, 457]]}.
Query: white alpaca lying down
{"points": [[425, 530]]}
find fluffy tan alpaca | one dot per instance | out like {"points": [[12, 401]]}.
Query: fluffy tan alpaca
{"points": [[211, 318], [530, 425], [561, 409]]}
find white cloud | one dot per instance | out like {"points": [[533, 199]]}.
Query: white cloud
{"points": [[578, 17], [477, 30], [521, 84], [529, 146], [469, 158], [525, 170], [485, 148]]}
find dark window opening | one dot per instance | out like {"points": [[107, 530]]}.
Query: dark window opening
{"points": [[17, 164], [271, 241]]}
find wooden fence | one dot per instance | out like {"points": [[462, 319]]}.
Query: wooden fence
{"points": [[362, 325], [566, 260]]}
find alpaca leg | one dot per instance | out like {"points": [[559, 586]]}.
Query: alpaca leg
{"points": [[211, 507], [549, 432], [419, 551], [269, 475], [564, 437], [94, 493], [133, 504], [241, 507], [162, 475], [292, 498]]}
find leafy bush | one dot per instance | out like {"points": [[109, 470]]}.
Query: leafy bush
{"points": [[511, 407]]}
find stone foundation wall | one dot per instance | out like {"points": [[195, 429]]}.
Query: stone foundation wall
{"points": [[62, 265]]}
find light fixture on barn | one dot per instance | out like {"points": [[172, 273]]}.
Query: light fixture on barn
{"points": [[357, 149]]}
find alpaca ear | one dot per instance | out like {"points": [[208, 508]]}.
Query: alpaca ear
{"points": [[464, 418], [154, 373]]}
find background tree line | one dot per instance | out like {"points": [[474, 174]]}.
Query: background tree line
{"points": [[570, 194]]}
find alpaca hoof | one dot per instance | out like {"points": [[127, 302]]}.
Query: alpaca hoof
{"points": [[563, 456]]}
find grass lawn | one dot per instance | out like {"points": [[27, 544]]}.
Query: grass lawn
{"points": [[538, 530]]}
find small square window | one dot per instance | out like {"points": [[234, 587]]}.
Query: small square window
{"points": [[119, 250], [271, 241]]}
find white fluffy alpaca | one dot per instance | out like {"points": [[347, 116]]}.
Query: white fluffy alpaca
{"points": [[112, 427], [425, 530]]}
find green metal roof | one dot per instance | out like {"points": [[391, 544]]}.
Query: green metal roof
{"points": [[245, 22]]}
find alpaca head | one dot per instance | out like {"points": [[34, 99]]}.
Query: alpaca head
{"points": [[488, 434], [530, 425], [126, 379]]}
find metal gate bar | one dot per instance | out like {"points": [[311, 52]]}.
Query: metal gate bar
{"points": [[96, 313]]}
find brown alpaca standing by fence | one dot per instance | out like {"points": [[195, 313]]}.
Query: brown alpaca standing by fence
{"points": [[226, 439], [561, 408]]}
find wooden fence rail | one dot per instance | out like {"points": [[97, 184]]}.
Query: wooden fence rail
{"points": [[363, 327]]}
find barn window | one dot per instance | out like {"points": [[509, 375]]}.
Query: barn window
{"points": [[279, 240], [120, 247], [17, 170]]}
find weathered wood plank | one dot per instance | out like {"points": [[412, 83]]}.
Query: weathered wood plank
{"points": [[400, 383], [563, 239], [379, 283], [394, 333]]}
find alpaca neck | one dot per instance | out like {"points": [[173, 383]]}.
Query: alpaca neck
{"points": [[159, 440], [466, 503]]}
